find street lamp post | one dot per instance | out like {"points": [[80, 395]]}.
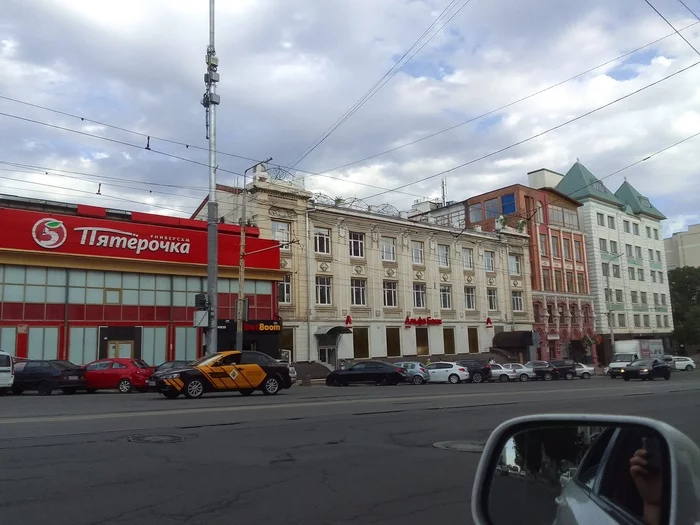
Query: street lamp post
{"points": [[241, 310]]}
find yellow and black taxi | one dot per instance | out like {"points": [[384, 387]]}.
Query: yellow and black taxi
{"points": [[227, 371]]}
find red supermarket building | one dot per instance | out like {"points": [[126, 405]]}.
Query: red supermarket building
{"points": [[81, 282]]}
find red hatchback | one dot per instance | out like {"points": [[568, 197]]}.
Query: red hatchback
{"points": [[120, 373]]}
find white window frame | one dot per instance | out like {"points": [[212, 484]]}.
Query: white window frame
{"points": [[322, 241], [469, 297], [489, 261], [388, 245], [443, 255], [324, 283], [356, 243], [419, 297], [600, 219], [282, 232], [445, 297], [517, 301], [492, 299], [284, 291], [390, 291], [514, 264], [468, 258], [358, 286], [418, 252]]}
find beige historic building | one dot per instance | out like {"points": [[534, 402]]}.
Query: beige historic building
{"points": [[369, 282]]}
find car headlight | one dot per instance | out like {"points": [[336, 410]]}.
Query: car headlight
{"points": [[622, 369], [170, 376], [645, 371]]}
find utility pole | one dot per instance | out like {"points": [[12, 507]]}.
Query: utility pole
{"points": [[241, 309], [611, 319], [210, 100]]}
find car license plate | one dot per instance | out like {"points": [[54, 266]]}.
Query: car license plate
{"points": [[73, 378], [151, 383]]}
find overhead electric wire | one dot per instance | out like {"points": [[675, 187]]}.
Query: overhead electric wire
{"points": [[672, 26], [537, 135], [689, 9], [398, 66], [505, 106]]}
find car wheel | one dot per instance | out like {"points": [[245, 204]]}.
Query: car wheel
{"points": [[524, 378], [271, 386], [417, 380], [453, 379], [548, 376], [689, 368], [124, 386], [613, 376], [477, 377], [650, 378], [503, 379], [171, 395], [69, 391], [246, 391], [667, 376], [44, 389], [585, 375], [569, 375], [625, 378], [194, 389]]}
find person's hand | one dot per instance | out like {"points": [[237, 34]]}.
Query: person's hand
{"points": [[648, 485]]}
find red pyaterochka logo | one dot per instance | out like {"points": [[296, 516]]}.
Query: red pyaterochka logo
{"points": [[49, 233]]}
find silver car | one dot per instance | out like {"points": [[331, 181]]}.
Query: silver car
{"points": [[524, 372], [417, 373], [503, 373]]}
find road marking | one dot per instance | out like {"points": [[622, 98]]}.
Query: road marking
{"points": [[315, 403]]}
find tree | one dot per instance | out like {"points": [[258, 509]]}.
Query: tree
{"points": [[684, 285]]}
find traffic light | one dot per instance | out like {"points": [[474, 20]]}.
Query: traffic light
{"points": [[200, 301]]}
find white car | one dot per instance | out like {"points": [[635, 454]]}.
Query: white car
{"points": [[503, 373], [683, 363], [524, 373], [584, 371], [447, 373], [7, 372]]}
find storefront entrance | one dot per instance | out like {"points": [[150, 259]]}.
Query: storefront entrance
{"points": [[329, 356], [123, 349]]}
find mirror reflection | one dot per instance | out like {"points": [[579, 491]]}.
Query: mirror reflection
{"points": [[571, 474]]}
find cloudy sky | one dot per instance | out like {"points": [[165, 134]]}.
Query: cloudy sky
{"points": [[291, 68]]}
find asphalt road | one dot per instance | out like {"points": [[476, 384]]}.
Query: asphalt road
{"points": [[311, 455]]}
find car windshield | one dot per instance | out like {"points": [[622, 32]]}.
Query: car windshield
{"points": [[624, 357], [140, 363], [642, 362], [205, 359]]}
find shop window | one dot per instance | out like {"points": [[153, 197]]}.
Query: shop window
{"points": [[42, 343], [287, 342], [14, 274], [163, 299], [163, 283], [147, 298], [131, 297], [82, 345], [55, 294], [8, 339], [113, 296], [94, 295], [360, 342], [77, 295], [448, 339], [508, 204], [35, 294], [194, 284], [36, 276], [185, 343], [95, 279], [179, 284], [393, 341], [114, 280], [422, 344], [147, 282], [153, 345], [77, 278], [223, 286], [179, 298], [263, 287]]}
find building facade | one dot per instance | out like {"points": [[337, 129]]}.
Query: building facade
{"points": [[683, 248], [626, 258], [82, 282], [563, 307], [365, 282]]}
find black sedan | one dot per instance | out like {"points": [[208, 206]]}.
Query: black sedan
{"points": [[45, 376], [646, 369], [375, 372]]}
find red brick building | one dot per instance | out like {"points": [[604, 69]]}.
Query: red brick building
{"points": [[563, 307], [81, 282]]}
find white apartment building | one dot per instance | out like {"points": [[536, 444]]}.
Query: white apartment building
{"points": [[683, 248], [367, 282], [626, 258]]}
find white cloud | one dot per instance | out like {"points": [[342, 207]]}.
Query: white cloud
{"points": [[290, 68]]}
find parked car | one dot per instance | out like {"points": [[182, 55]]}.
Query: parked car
{"points": [[7, 372], [376, 372], [504, 374], [417, 373], [584, 371], [646, 369], [171, 365], [524, 372], [445, 372], [683, 363], [479, 371], [123, 374], [45, 376], [556, 369]]}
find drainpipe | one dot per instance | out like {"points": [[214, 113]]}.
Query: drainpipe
{"points": [[309, 285]]}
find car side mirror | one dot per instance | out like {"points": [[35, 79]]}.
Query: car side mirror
{"points": [[574, 469]]}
